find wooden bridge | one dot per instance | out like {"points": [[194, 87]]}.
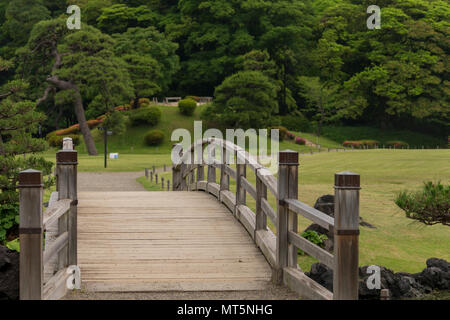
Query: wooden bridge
{"points": [[203, 237]]}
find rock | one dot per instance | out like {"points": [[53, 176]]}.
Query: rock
{"points": [[322, 275], [325, 204], [438, 263], [9, 274]]}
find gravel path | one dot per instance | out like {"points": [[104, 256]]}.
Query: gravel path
{"points": [[109, 181], [126, 181]]}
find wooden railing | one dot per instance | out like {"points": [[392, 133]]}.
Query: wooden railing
{"points": [[61, 215], [280, 249]]}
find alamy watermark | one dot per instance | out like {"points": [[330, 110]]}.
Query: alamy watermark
{"points": [[257, 147], [374, 280], [374, 20], [74, 21], [74, 280]]}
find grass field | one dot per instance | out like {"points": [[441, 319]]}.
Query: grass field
{"points": [[397, 243]]}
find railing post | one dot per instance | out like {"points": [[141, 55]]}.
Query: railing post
{"points": [[146, 173], [192, 172], [201, 167], [31, 275], [241, 171], [66, 168], [162, 183], [286, 221], [224, 178], [260, 216], [211, 167], [177, 172], [346, 236]]}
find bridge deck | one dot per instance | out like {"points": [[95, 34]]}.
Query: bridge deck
{"points": [[164, 241]]}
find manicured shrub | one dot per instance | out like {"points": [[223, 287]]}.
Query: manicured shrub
{"points": [[282, 132], [290, 136], [300, 141], [146, 116], [75, 129], [361, 143], [397, 144], [93, 123], [430, 206], [154, 137], [187, 106], [195, 98], [57, 141]]}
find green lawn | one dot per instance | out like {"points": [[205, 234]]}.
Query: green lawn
{"points": [[397, 243]]}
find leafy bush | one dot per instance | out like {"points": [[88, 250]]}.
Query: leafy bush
{"points": [[187, 106], [57, 141], [430, 205], [154, 137], [314, 237], [9, 217], [282, 132], [148, 115], [290, 136], [75, 129], [296, 121], [300, 141], [397, 144]]}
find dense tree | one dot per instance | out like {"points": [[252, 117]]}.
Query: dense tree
{"points": [[151, 59], [400, 70], [81, 62], [247, 99]]}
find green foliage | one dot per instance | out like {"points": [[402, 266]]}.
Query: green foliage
{"points": [[116, 122], [154, 137], [245, 100], [9, 217], [146, 116], [296, 121], [119, 17], [187, 106], [397, 144], [430, 206], [13, 245], [314, 237]]}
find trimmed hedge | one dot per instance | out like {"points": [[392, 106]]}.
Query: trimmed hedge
{"points": [[283, 132], [154, 137], [300, 141], [148, 115], [361, 143], [57, 141], [397, 144], [187, 106]]}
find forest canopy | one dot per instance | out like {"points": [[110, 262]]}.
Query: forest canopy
{"points": [[310, 57]]}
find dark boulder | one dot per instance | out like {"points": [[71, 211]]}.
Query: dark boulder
{"points": [[9, 274], [322, 275], [436, 275]]}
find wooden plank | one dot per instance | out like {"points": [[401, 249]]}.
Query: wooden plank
{"points": [[56, 287], [305, 286], [60, 242], [311, 249], [53, 213], [248, 187], [202, 185], [310, 213], [247, 218], [269, 211], [266, 241], [229, 199], [269, 180], [214, 189], [230, 171]]}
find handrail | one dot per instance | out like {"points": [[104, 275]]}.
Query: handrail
{"points": [[280, 249], [59, 222]]}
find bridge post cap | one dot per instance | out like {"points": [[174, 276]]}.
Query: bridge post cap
{"points": [[288, 157], [347, 179], [67, 157], [30, 178]]}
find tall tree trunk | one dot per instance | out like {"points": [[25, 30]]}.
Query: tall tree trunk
{"points": [[79, 112]]}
